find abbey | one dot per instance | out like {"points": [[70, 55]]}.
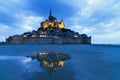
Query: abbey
{"points": [[51, 32], [52, 22]]}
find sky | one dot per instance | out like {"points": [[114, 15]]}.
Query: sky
{"points": [[97, 18]]}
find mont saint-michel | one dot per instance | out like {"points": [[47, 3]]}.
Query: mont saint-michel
{"points": [[50, 31]]}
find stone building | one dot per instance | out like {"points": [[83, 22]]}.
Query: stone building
{"points": [[52, 22]]}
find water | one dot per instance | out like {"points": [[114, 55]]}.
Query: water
{"points": [[88, 62]]}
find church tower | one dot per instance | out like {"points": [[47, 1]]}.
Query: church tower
{"points": [[51, 18], [52, 22], [50, 13]]}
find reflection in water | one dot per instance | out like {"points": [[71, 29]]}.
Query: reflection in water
{"points": [[51, 61]]}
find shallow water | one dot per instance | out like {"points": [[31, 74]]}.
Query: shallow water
{"points": [[88, 62]]}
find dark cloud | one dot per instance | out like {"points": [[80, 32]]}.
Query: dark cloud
{"points": [[8, 20], [42, 7]]}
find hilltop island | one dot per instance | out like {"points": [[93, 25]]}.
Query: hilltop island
{"points": [[50, 31]]}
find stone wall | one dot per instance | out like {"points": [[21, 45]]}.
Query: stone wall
{"points": [[51, 40]]}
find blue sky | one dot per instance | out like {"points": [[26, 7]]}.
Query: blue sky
{"points": [[97, 18]]}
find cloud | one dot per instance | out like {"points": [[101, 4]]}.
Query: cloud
{"points": [[112, 38], [103, 32], [4, 30], [98, 18], [16, 19], [82, 29], [74, 3], [2, 38], [28, 23], [23, 24], [9, 7], [3, 27]]}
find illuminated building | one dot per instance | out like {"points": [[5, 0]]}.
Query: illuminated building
{"points": [[52, 22]]}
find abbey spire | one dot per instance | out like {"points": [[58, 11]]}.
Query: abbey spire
{"points": [[50, 13], [51, 18]]}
